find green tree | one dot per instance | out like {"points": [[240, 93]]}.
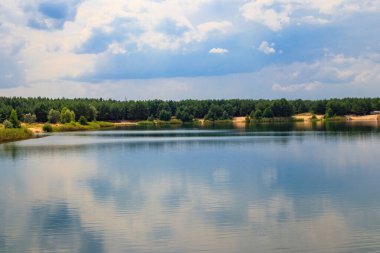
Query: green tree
{"points": [[138, 110], [29, 118], [67, 116], [82, 120], [184, 114], [257, 114], [329, 113], [282, 108], [93, 113], [214, 113], [267, 113], [54, 116], [41, 110], [14, 119], [164, 115]]}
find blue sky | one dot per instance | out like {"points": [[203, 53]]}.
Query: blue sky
{"points": [[179, 49]]}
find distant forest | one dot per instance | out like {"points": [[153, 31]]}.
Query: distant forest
{"points": [[43, 109]]}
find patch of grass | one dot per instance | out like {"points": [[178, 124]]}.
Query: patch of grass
{"points": [[145, 123], [75, 126], [336, 118], [103, 124], [14, 134], [278, 120], [297, 120], [218, 122]]}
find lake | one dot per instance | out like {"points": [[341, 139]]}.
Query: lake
{"points": [[264, 188]]}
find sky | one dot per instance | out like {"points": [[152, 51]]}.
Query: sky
{"points": [[190, 49]]}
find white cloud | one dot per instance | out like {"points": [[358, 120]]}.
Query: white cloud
{"points": [[296, 87], [276, 14], [261, 11], [218, 51], [116, 48], [267, 48]]}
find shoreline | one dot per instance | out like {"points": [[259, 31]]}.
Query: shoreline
{"points": [[29, 131]]}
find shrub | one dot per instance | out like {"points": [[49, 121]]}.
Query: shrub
{"points": [[53, 116], [83, 120], [47, 128], [14, 119], [29, 118], [67, 116], [7, 124]]}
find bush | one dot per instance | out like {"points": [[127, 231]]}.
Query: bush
{"points": [[29, 118], [53, 116], [7, 124], [83, 120], [67, 116], [14, 119], [165, 115], [47, 128]]}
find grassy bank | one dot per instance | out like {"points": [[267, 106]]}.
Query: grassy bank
{"points": [[159, 122], [75, 126], [276, 120], [14, 134]]}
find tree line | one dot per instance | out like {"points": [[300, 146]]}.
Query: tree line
{"points": [[66, 110]]}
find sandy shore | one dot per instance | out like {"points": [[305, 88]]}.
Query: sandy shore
{"points": [[306, 116], [125, 123], [362, 118]]}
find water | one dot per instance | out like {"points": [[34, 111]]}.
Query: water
{"points": [[261, 189]]}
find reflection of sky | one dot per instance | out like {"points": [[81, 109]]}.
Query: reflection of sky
{"points": [[310, 192]]}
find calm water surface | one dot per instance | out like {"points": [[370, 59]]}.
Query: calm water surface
{"points": [[260, 189]]}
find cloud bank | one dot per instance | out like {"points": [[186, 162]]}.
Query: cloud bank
{"points": [[311, 48]]}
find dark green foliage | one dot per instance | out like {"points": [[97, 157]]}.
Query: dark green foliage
{"points": [[41, 110], [83, 121], [112, 110], [299, 106], [214, 113], [257, 114], [339, 107], [183, 114], [268, 113], [318, 107], [138, 110], [329, 113], [47, 128], [281, 108], [13, 118], [164, 115], [54, 116]]}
